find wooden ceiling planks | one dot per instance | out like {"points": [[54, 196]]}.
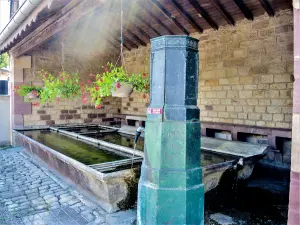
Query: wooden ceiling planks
{"points": [[146, 19], [152, 18]]}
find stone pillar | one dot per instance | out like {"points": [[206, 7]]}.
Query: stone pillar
{"points": [[170, 187], [18, 106], [294, 203]]}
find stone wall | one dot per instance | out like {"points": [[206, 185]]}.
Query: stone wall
{"points": [[246, 73], [68, 111]]}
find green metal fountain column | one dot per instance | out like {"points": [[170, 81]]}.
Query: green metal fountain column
{"points": [[170, 187]]}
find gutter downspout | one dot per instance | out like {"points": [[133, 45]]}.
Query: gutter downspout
{"points": [[22, 13]]}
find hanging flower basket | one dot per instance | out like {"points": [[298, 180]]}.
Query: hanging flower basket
{"points": [[122, 90], [32, 95]]}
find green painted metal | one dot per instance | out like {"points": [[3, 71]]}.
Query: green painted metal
{"points": [[170, 187]]}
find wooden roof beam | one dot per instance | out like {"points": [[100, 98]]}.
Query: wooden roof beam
{"points": [[223, 12], [244, 9], [203, 13], [169, 16], [267, 6], [136, 38], [107, 35], [126, 39], [141, 32], [125, 45], [153, 16], [148, 25]]}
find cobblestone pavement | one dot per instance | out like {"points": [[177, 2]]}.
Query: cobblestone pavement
{"points": [[31, 195]]}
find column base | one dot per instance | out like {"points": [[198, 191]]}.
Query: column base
{"points": [[170, 205]]}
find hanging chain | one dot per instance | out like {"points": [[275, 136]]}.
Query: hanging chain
{"points": [[62, 55], [121, 56]]}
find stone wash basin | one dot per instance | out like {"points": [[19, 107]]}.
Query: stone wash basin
{"points": [[85, 158]]}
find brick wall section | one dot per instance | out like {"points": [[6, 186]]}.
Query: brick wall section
{"points": [[67, 111], [71, 112], [246, 73]]}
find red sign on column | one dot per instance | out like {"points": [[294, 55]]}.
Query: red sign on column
{"points": [[155, 110]]}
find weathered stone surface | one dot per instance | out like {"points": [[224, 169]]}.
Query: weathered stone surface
{"points": [[44, 199], [255, 61]]}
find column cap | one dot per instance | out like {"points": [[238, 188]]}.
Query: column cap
{"points": [[174, 41]]}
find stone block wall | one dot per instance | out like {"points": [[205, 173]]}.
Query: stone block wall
{"points": [[246, 73], [72, 112]]}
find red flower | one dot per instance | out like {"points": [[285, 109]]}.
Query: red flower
{"points": [[57, 100], [88, 81], [62, 78], [97, 88], [101, 80], [146, 86], [35, 104], [105, 69], [91, 75], [98, 106], [118, 85], [84, 100], [17, 87], [144, 74]]}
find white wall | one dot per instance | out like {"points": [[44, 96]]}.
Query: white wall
{"points": [[4, 13], [4, 120]]}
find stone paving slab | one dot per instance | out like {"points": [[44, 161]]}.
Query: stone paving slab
{"points": [[31, 195]]}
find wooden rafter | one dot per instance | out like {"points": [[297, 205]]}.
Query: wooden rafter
{"points": [[136, 38], [143, 33], [244, 9], [169, 16], [186, 15], [148, 25], [58, 25], [157, 20], [267, 6], [223, 12], [126, 39], [203, 13], [108, 35]]}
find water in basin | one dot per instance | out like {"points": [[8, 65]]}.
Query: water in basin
{"points": [[119, 139], [76, 149], [207, 158], [85, 129]]}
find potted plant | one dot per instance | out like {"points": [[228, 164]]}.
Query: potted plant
{"points": [[28, 91], [115, 82], [64, 86]]}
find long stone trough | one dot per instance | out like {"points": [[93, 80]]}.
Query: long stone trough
{"points": [[114, 184]]}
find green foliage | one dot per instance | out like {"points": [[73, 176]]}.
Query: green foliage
{"points": [[3, 60], [64, 86], [112, 79], [67, 85], [24, 90]]}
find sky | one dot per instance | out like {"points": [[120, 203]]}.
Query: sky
{"points": [[4, 13]]}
